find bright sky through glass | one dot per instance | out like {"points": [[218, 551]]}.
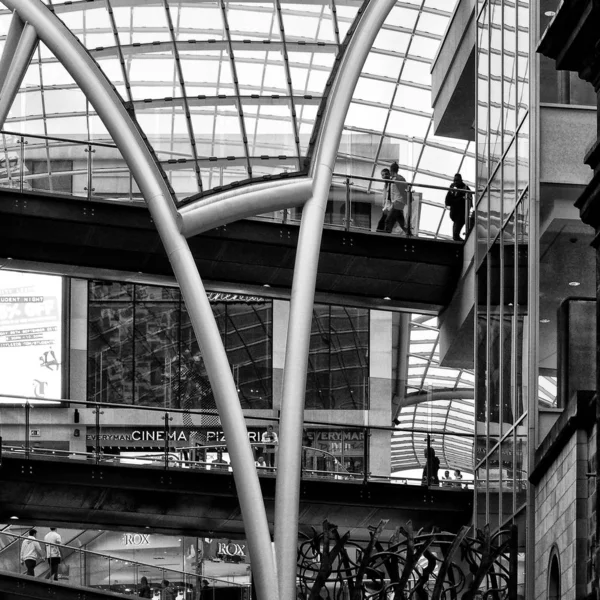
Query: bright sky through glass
{"points": [[229, 91]]}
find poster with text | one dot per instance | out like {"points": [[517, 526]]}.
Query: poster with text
{"points": [[30, 335]]}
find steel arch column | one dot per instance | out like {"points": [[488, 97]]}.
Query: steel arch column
{"points": [[303, 292], [148, 176]]}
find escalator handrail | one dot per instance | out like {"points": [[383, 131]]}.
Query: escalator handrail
{"points": [[131, 562]]}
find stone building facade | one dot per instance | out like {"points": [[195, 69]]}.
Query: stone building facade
{"points": [[573, 41]]}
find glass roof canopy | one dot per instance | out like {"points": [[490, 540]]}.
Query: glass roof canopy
{"points": [[231, 91]]}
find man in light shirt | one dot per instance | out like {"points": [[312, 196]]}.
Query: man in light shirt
{"points": [[270, 439], [386, 200], [399, 198], [31, 552], [53, 552]]}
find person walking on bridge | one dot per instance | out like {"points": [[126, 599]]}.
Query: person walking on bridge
{"points": [[399, 197], [31, 552], [459, 203], [386, 200]]}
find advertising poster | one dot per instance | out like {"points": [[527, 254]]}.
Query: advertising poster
{"points": [[30, 335]]}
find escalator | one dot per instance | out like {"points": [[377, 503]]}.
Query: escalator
{"points": [[102, 576], [10, 545], [19, 587]]}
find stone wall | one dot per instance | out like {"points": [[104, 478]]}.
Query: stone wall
{"points": [[561, 520]]}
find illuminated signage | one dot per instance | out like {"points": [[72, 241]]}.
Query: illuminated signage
{"points": [[223, 297], [203, 436], [136, 539], [230, 549], [30, 334], [338, 436]]}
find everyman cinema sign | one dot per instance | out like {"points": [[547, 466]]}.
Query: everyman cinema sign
{"points": [[149, 436]]}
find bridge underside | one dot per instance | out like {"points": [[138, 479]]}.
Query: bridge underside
{"points": [[201, 503], [419, 275]]}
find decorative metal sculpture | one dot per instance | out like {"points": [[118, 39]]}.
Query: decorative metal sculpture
{"points": [[410, 565]]}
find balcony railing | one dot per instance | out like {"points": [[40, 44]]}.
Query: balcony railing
{"points": [[178, 443], [86, 568], [97, 171]]}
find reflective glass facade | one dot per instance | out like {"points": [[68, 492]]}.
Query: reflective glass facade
{"points": [[451, 418], [503, 224], [142, 350]]}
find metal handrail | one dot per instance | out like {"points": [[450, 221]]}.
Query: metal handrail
{"points": [[57, 139], [124, 560], [60, 403], [408, 184]]}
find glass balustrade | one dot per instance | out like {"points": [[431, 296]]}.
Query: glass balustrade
{"points": [[330, 450], [96, 170], [82, 567]]}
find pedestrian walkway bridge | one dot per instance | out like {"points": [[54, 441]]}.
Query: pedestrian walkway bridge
{"points": [[202, 502], [96, 238]]}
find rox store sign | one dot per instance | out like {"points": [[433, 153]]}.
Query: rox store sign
{"points": [[230, 549]]}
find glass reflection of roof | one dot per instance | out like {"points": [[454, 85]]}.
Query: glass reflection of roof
{"points": [[250, 75], [455, 415]]}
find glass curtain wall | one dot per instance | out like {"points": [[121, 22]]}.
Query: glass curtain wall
{"points": [[142, 350], [338, 361], [501, 257]]}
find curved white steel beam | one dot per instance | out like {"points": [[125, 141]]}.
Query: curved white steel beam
{"points": [[148, 176], [26, 46], [15, 29], [303, 291], [251, 200]]}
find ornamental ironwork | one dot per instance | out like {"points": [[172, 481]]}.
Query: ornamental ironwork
{"points": [[410, 565]]}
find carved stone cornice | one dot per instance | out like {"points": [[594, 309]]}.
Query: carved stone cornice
{"points": [[573, 39]]}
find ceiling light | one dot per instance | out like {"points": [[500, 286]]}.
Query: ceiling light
{"points": [[266, 285], [574, 283], [544, 320], [550, 13], [15, 518], [386, 298]]}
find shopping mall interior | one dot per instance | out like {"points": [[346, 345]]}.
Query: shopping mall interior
{"points": [[258, 340]]}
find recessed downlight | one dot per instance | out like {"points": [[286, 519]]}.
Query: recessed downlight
{"points": [[574, 283], [544, 320]]}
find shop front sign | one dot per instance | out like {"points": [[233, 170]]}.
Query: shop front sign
{"points": [[128, 437], [136, 539], [231, 549]]}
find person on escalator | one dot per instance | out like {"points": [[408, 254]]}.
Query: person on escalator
{"points": [[51, 539], [31, 552], [145, 590]]}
